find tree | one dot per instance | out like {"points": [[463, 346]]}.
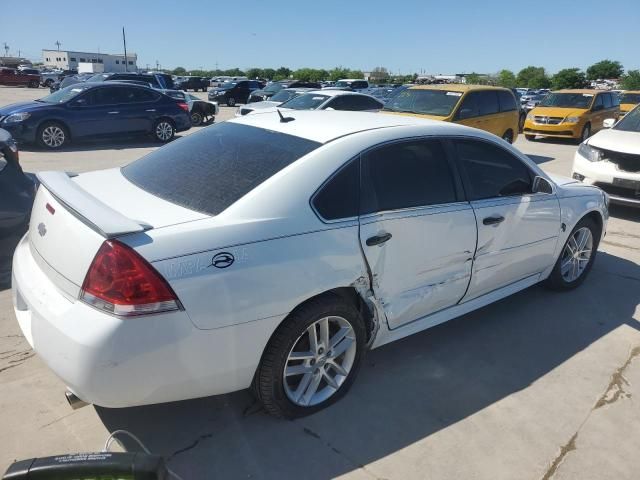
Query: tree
{"points": [[379, 75], [569, 78], [181, 71], [310, 74], [631, 80], [533, 77], [605, 69], [506, 78], [268, 73], [282, 73], [255, 73], [339, 73]]}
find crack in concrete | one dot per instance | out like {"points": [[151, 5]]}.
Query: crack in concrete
{"points": [[315, 435], [190, 447], [21, 352], [57, 420], [18, 362], [617, 383]]}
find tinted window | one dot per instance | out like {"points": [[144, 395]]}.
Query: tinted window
{"points": [[366, 103], [470, 106], [491, 171], [615, 99], [217, 165], [507, 101], [144, 95], [404, 175], [359, 84], [488, 102], [606, 98], [598, 103], [338, 198]]}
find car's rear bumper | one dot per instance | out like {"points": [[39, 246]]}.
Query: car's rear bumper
{"points": [[116, 362], [606, 175]]}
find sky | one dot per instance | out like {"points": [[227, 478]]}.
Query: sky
{"points": [[408, 36]]}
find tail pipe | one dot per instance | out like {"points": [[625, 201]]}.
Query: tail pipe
{"points": [[74, 401]]}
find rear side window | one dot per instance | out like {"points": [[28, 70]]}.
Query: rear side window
{"points": [[507, 101], [405, 175], [491, 171], [339, 196], [209, 170]]}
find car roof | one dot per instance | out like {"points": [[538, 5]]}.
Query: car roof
{"points": [[456, 87], [329, 92], [581, 90], [324, 126]]}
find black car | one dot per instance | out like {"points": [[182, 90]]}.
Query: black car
{"points": [[193, 83], [17, 191], [231, 93], [274, 87], [93, 110]]}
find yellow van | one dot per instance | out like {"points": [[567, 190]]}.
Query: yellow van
{"points": [[628, 101], [494, 109], [571, 114]]}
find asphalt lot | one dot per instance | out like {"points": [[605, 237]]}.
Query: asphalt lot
{"points": [[540, 385]]}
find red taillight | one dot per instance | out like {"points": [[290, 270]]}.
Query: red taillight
{"points": [[121, 282], [183, 106]]}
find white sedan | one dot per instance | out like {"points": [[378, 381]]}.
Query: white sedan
{"points": [[611, 159], [272, 251]]}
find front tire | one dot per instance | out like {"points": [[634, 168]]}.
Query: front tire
{"points": [[231, 102], [34, 84], [577, 256], [52, 136], [164, 131], [312, 358], [586, 133]]}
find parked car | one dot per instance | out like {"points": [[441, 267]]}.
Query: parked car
{"points": [[231, 93], [353, 84], [571, 114], [628, 100], [382, 93], [610, 159], [271, 89], [155, 282], [333, 100], [533, 102], [192, 83], [157, 80], [201, 111], [94, 110], [17, 191], [49, 78], [279, 98], [69, 80], [13, 78], [493, 109], [221, 80]]}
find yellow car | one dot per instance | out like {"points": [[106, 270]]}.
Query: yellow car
{"points": [[493, 109], [628, 100], [571, 114]]}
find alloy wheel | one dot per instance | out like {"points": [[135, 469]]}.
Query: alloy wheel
{"points": [[576, 254], [53, 136], [320, 361], [164, 131]]}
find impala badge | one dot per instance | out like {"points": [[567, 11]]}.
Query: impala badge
{"points": [[42, 229]]}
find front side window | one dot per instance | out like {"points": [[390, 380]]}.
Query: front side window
{"points": [[606, 97], [405, 175], [218, 165], [488, 102], [491, 171], [470, 107], [507, 101]]}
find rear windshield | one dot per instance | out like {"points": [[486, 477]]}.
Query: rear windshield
{"points": [[209, 170]]}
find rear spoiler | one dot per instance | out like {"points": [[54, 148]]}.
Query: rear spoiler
{"points": [[87, 208]]}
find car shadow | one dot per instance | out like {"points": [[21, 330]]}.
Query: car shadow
{"points": [[624, 212], [93, 145], [538, 159], [556, 140], [405, 392]]}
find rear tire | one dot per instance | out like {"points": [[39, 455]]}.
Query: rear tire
{"points": [[508, 136], [298, 376], [531, 138], [34, 84], [52, 136], [196, 119], [231, 102], [577, 256], [164, 130]]}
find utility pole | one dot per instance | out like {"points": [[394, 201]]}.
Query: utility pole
{"points": [[124, 41], [6, 49], [157, 66], [58, 43]]}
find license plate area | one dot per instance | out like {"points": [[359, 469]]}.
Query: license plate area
{"points": [[626, 183]]}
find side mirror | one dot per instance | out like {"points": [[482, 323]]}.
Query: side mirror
{"points": [[608, 122], [541, 185]]}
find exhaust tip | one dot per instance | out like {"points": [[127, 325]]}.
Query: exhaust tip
{"points": [[74, 401]]}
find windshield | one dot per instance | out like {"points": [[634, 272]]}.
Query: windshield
{"points": [[568, 100], [429, 102], [630, 122], [64, 94], [218, 165], [227, 85], [633, 98], [273, 87], [308, 101], [284, 95]]}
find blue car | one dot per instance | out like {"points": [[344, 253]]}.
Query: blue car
{"points": [[95, 110]]}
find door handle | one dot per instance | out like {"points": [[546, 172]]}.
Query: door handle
{"points": [[151, 110], [378, 239], [493, 220], [113, 113]]}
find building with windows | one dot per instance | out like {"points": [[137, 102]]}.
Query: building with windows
{"points": [[69, 60]]}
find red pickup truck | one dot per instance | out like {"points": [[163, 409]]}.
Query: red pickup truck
{"points": [[12, 77]]}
